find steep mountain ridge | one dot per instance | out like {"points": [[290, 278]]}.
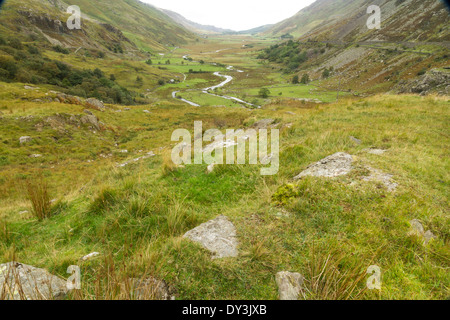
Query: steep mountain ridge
{"points": [[402, 20]]}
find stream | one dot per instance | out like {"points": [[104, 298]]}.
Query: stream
{"points": [[227, 80]]}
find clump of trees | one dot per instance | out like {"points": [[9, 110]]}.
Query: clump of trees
{"points": [[264, 93], [24, 63], [288, 53]]}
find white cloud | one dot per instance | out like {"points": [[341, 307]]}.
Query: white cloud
{"points": [[233, 14]]}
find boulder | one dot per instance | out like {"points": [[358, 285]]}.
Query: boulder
{"points": [[23, 282], [217, 236], [90, 120], [335, 165], [95, 103], [289, 285]]}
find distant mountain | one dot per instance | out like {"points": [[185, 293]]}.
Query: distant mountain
{"points": [[193, 26], [345, 20], [256, 30], [119, 25]]}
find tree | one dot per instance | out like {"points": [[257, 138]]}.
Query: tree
{"points": [[112, 77], [305, 79], [295, 79], [202, 62], [325, 73], [149, 62], [161, 82], [264, 93]]}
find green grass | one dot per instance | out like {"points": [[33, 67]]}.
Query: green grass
{"points": [[138, 213]]}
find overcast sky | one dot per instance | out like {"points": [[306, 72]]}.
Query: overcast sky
{"points": [[233, 14]]}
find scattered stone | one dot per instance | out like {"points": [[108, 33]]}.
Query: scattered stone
{"points": [[31, 88], [290, 113], [377, 152], [335, 165], [428, 236], [355, 140], [123, 151], [22, 282], [146, 111], [23, 212], [289, 285], [126, 109], [35, 155], [218, 236], [211, 167], [385, 178], [149, 289], [88, 112], [25, 139], [90, 256]]}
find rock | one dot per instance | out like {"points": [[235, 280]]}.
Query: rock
{"points": [[355, 140], [123, 151], [428, 236], [95, 103], [149, 289], [90, 256], [290, 113], [25, 139], [211, 167], [289, 285], [263, 124], [35, 155], [218, 236], [335, 165], [385, 178], [88, 112], [146, 111], [90, 120], [22, 282], [418, 230], [377, 152], [31, 88]]}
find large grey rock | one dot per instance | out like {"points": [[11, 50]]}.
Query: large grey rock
{"points": [[335, 165], [218, 236], [23, 282], [289, 285]]}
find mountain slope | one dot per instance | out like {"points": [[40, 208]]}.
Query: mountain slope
{"points": [[193, 26], [129, 24], [402, 20]]}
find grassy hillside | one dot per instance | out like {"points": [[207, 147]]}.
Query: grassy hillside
{"points": [[135, 216], [126, 24]]}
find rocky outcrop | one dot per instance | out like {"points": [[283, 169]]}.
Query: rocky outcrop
{"points": [[218, 236], [434, 81], [23, 282], [59, 121], [95, 104], [335, 165]]}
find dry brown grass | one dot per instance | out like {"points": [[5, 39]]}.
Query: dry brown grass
{"points": [[38, 194]]}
